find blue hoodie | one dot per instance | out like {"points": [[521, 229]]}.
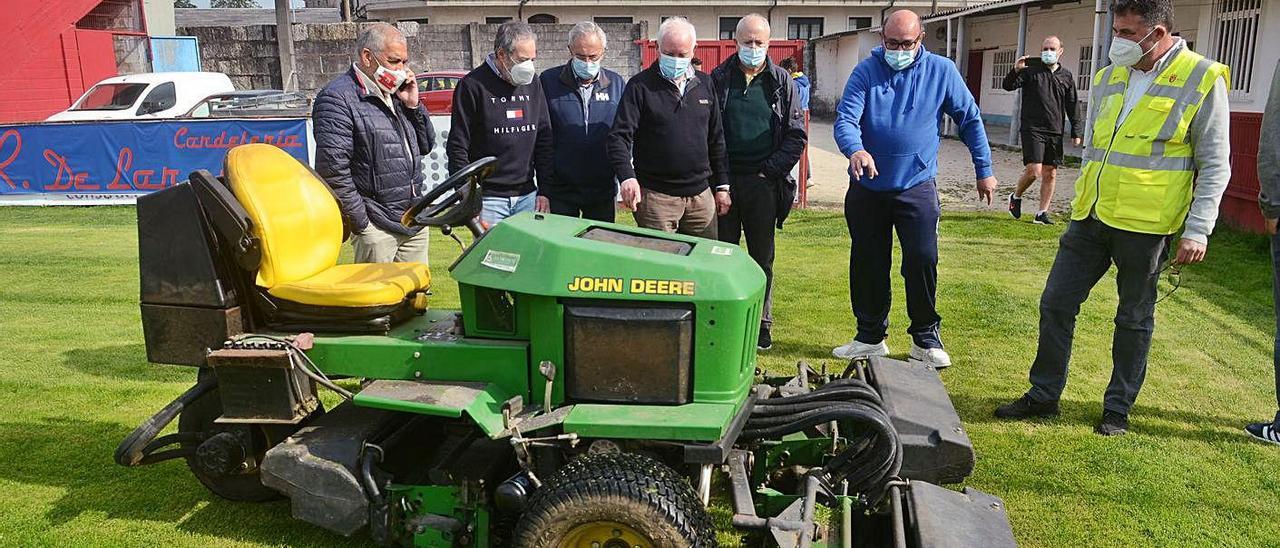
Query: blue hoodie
{"points": [[802, 87], [894, 115]]}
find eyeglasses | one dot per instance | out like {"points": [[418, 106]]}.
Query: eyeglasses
{"points": [[1174, 277], [901, 44]]}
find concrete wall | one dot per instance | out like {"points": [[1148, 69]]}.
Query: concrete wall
{"points": [[249, 54], [706, 18], [159, 14]]}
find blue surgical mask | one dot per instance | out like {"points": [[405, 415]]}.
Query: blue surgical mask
{"points": [[899, 59], [1049, 57], [673, 68], [585, 70], [752, 57]]}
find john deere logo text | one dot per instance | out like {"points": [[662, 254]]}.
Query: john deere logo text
{"points": [[638, 286]]}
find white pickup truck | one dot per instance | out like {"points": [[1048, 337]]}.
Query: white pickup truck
{"points": [[146, 95]]}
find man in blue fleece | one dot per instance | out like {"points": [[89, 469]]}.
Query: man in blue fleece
{"points": [[887, 124]]}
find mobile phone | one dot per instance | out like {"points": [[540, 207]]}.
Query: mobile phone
{"points": [[1035, 62]]}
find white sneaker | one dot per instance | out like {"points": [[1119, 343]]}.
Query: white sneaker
{"points": [[936, 358], [859, 349]]}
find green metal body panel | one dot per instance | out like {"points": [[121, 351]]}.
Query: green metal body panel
{"points": [[484, 407], [540, 260], [514, 283], [689, 422], [442, 501]]}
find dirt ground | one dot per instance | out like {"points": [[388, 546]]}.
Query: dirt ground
{"points": [[955, 176]]}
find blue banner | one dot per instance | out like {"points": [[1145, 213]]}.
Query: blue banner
{"points": [[117, 161]]}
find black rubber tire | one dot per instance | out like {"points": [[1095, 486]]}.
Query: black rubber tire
{"points": [[626, 488], [245, 487]]}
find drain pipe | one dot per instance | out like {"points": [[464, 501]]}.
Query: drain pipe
{"points": [[887, 7], [769, 14], [1099, 10], [520, 10]]}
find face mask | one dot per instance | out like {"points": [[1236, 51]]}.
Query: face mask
{"points": [[1126, 53], [752, 57], [673, 67], [389, 80], [1049, 57], [899, 59], [522, 73], [585, 70]]}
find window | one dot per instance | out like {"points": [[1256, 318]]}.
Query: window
{"points": [[110, 97], [162, 98], [1235, 37], [496, 20], [418, 20], [727, 27], [804, 28], [1084, 74], [1001, 64], [612, 20], [543, 18], [118, 15], [859, 23], [665, 17]]}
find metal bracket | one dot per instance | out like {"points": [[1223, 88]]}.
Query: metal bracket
{"points": [[548, 371]]}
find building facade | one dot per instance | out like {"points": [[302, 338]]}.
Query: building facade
{"points": [[790, 19]]}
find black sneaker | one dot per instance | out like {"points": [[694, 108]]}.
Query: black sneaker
{"points": [[1015, 206], [1113, 424], [1026, 408], [765, 341], [1265, 431], [1043, 218]]}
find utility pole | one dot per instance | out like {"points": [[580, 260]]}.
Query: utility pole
{"points": [[284, 43]]}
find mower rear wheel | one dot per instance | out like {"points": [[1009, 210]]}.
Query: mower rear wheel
{"points": [[235, 448], [615, 501]]}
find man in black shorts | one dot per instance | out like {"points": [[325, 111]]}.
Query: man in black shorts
{"points": [[1048, 95]]}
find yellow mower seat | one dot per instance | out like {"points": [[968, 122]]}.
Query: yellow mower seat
{"points": [[299, 227]]}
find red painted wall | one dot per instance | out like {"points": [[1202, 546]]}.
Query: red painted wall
{"points": [[47, 62], [1240, 203], [714, 52]]}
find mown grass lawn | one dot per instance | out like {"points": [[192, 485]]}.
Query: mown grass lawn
{"points": [[74, 381]]}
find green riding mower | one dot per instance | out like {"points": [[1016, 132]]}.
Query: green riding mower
{"points": [[596, 383]]}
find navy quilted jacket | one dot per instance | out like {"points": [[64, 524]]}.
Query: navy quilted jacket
{"points": [[361, 153]]}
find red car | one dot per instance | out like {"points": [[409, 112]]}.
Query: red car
{"points": [[436, 89]]}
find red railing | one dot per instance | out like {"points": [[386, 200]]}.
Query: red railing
{"points": [[1240, 203], [714, 52]]}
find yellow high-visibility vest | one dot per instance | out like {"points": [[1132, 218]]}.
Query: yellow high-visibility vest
{"points": [[1138, 174]]}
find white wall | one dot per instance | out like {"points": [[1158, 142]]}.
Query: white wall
{"points": [[159, 14]]}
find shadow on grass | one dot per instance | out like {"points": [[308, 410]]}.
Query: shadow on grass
{"points": [[76, 457], [1198, 426], [128, 362]]}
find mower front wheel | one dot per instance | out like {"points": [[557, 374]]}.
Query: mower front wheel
{"points": [[615, 501]]}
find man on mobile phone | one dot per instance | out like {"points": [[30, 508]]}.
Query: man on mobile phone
{"points": [[371, 129], [1048, 96]]}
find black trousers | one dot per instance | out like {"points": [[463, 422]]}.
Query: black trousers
{"points": [[1085, 252], [753, 214], [872, 218], [596, 211]]}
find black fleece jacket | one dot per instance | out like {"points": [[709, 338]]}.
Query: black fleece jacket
{"points": [[676, 141], [491, 117]]}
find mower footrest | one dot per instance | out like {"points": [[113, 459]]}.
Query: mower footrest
{"points": [[935, 447], [317, 468], [942, 518]]}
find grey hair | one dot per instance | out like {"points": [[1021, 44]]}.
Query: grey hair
{"points": [[586, 28], [510, 33], [742, 23], [377, 37], [1152, 12], [672, 23]]}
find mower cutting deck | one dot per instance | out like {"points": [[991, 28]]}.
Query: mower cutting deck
{"points": [[595, 379]]}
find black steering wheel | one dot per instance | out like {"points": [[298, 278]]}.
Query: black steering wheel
{"points": [[459, 209]]}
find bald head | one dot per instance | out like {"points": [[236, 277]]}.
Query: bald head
{"points": [[902, 25]]}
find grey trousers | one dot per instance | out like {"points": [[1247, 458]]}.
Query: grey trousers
{"points": [[374, 245], [1085, 252]]}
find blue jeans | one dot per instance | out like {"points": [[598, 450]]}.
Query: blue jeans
{"points": [[497, 208]]}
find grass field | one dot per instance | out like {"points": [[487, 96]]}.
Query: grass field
{"points": [[74, 381]]}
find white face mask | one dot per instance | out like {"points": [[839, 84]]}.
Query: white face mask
{"points": [[522, 73], [1126, 53], [389, 80]]}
